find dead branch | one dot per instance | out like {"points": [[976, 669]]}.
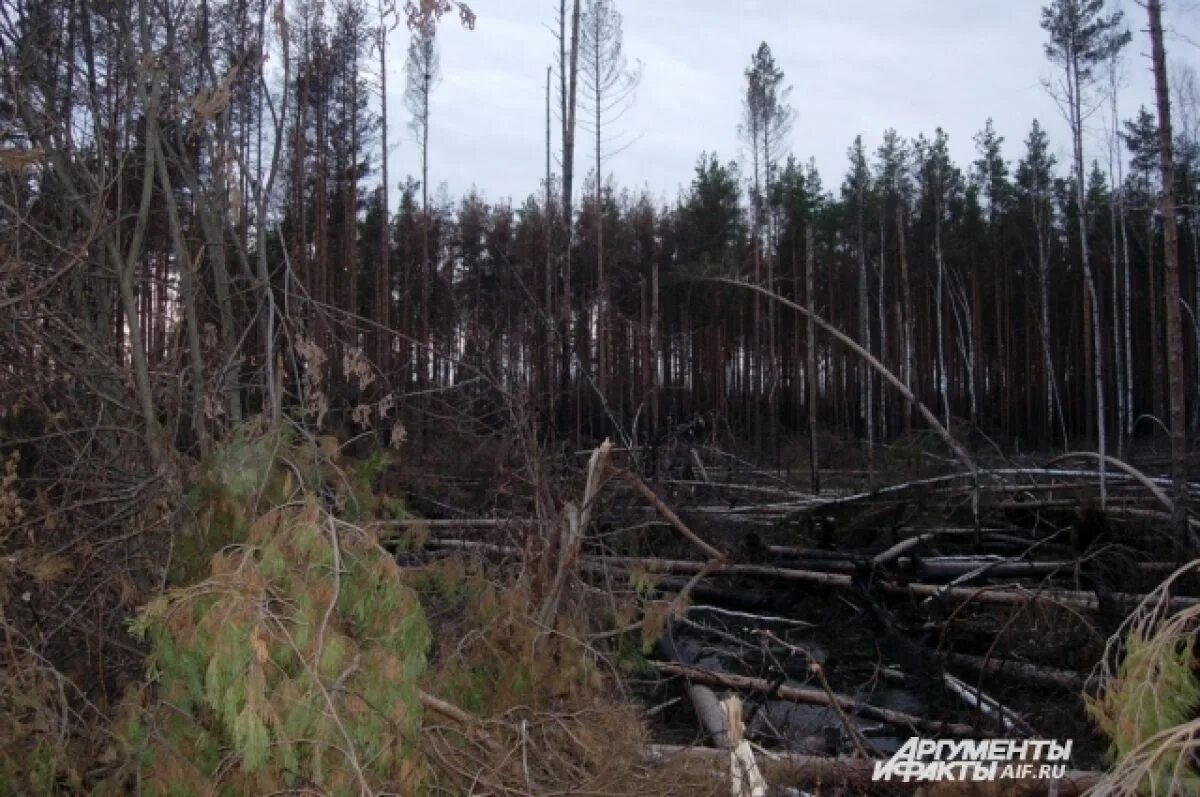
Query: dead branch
{"points": [[670, 516], [1020, 670], [813, 697], [704, 700], [1002, 476], [1008, 595], [575, 522], [861, 743], [443, 523], [986, 705], [1126, 468], [904, 545]]}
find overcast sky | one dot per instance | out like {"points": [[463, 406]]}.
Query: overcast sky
{"points": [[857, 66]]}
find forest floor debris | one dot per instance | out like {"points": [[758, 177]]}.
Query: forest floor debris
{"points": [[843, 625]]}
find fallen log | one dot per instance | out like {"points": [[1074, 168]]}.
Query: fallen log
{"points": [[444, 523], [899, 548], [795, 552], [760, 618], [704, 700], [1126, 468], [737, 488], [988, 706], [653, 565], [860, 742], [792, 769], [669, 515], [927, 484], [790, 551], [1020, 671], [821, 565], [937, 569], [855, 774], [594, 564], [815, 697], [1006, 595], [1011, 595], [741, 598], [945, 568]]}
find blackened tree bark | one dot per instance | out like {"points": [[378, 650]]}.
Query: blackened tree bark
{"points": [[1166, 157]]}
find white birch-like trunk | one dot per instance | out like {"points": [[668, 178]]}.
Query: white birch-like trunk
{"points": [[943, 382], [864, 333], [1075, 104], [883, 326]]}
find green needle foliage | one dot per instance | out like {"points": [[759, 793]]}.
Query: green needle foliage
{"points": [[293, 665], [1148, 707]]}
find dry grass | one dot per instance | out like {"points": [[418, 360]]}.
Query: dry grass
{"points": [[547, 711], [1148, 698]]}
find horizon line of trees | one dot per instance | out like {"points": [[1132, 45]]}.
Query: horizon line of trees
{"points": [[191, 236]]}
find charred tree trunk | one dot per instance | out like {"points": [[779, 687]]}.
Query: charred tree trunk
{"points": [[811, 366], [908, 325], [1171, 269]]}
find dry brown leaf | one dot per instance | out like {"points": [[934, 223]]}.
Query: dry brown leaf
{"points": [[17, 160]]}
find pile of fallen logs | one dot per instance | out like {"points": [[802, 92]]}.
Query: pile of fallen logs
{"points": [[907, 555]]}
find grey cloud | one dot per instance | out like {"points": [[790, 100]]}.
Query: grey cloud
{"points": [[858, 67]]}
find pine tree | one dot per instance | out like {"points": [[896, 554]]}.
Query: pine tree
{"points": [[894, 187], [1141, 139], [422, 70], [609, 84], [990, 173], [1035, 181], [767, 121], [711, 228], [1081, 37], [940, 181], [855, 193], [388, 20], [568, 35]]}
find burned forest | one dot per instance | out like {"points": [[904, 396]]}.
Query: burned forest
{"points": [[423, 397]]}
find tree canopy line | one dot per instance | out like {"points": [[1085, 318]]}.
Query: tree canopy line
{"points": [[197, 228]]}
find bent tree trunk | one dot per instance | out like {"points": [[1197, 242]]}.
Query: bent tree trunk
{"points": [[912, 402]]}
